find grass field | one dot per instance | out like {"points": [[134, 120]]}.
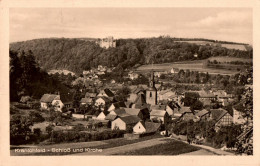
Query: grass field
{"points": [[172, 147], [229, 59], [191, 65], [111, 143]]}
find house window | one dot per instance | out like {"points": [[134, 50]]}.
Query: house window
{"points": [[151, 94], [139, 127]]}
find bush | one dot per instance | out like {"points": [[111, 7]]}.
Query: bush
{"points": [[73, 136]]}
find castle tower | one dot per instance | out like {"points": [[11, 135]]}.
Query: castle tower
{"points": [[151, 92]]}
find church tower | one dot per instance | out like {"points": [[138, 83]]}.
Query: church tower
{"points": [[151, 92]]}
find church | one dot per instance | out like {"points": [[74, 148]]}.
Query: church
{"points": [[151, 92]]}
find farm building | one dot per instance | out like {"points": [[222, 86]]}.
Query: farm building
{"points": [[48, 100], [123, 123], [221, 117], [159, 115], [116, 105], [146, 127]]}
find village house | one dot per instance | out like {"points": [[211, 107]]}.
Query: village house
{"points": [[187, 116], [174, 70], [159, 73], [238, 117], [179, 112], [159, 116], [146, 127], [167, 95], [203, 114], [102, 115], [102, 101], [221, 117], [91, 95], [116, 105], [106, 93], [124, 123], [133, 76], [206, 97], [51, 100], [86, 101]]}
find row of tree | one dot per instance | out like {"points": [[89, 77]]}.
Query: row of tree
{"points": [[78, 55]]}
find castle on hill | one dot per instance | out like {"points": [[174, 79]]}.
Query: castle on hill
{"points": [[107, 42]]}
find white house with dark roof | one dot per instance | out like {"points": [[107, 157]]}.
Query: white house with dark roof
{"points": [[116, 105], [221, 117], [86, 100], [106, 93], [146, 127], [122, 123], [53, 100], [159, 115]]}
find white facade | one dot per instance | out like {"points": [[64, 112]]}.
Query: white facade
{"points": [[101, 116], [237, 117], [58, 105], [118, 123], [139, 128], [100, 101], [111, 108]]}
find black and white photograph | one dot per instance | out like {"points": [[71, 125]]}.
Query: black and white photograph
{"points": [[131, 81]]}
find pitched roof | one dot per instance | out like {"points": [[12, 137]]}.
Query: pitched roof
{"points": [[89, 94], [217, 114], [86, 100], [130, 119], [157, 113], [120, 112], [106, 99], [111, 117], [151, 127], [158, 107], [132, 111], [141, 106], [184, 109], [119, 104], [48, 98], [188, 116], [205, 94], [109, 93], [202, 112], [140, 99]]}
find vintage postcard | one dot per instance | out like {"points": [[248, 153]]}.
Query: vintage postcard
{"points": [[146, 81]]}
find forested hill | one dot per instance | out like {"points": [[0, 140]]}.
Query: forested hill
{"points": [[78, 54]]}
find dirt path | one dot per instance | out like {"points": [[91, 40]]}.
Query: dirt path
{"points": [[198, 152], [210, 149], [126, 148]]}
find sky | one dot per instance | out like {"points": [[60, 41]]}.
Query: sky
{"points": [[228, 24]]}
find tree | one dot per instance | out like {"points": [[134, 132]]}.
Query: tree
{"points": [[36, 117]]}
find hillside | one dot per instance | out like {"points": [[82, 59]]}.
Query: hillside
{"points": [[77, 55]]}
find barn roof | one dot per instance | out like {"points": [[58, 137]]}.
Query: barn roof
{"points": [[132, 111], [108, 92], [48, 98], [86, 100], [158, 107], [130, 119], [157, 113], [202, 112], [111, 117], [151, 127], [119, 104], [217, 114]]}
